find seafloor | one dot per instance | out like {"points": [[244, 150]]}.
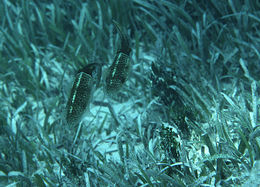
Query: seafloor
{"points": [[130, 93]]}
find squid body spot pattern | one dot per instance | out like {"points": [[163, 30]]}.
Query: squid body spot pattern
{"points": [[80, 97]]}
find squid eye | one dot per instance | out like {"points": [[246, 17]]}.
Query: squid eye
{"points": [[80, 97]]}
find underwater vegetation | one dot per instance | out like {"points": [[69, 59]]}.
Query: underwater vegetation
{"points": [[130, 93]]}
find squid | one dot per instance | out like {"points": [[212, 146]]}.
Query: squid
{"points": [[117, 73], [86, 80]]}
